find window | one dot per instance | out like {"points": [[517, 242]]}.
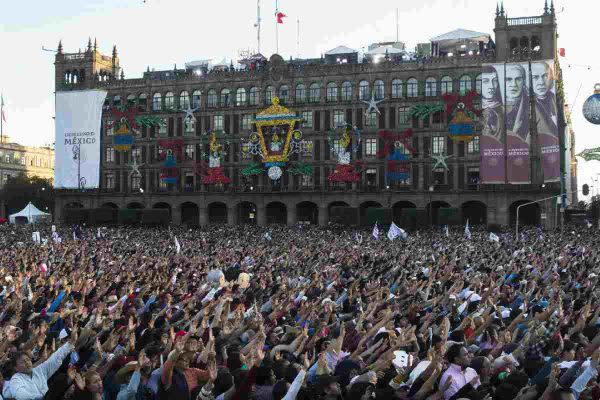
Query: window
{"points": [[346, 91], [473, 176], [300, 93], [109, 180], [7, 158], [430, 87], [332, 92], [135, 182], [218, 122], [196, 99], [240, 97], [363, 90], [339, 118], [189, 126], [412, 88], [309, 148], [371, 119], [446, 86], [156, 102], [254, 97], [162, 128], [473, 146], [284, 94], [371, 147], [110, 155], [23, 160], [396, 88], [307, 119], [314, 93], [403, 115], [269, 95], [169, 101], [437, 144], [142, 102], [464, 84], [371, 175], [162, 184], [184, 100], [337, 146], [478, 84], [378, 87], [189, 151], [306, 181], [225, 99], [136, 154], [117, 101], [212, 98], [246, 122], [131, 100]]}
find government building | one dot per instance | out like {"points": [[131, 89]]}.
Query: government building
{"points": [[217, 174]]}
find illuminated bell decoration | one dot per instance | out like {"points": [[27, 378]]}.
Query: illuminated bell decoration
{"points": [[591, 107], [123, 139], [461, 125], [274, 173]]}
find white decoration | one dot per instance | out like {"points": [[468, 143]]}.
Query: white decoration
{"points": [[274, 173]]}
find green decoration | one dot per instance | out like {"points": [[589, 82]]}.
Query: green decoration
{"points": [[252, 169], [590, 154], [422, 111], [149, 120], [302, 169]]}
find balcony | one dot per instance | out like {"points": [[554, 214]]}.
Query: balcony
{"points": [[524, 21]]}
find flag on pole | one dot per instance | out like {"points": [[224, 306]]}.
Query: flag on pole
{"points": [[177, 245], [467, 230], [446, 231], [268, 236], [375, 232], [494, 237], [358, 237], [588, 223], [395, 231], [2, 108], [561, 52], [280, 17]]}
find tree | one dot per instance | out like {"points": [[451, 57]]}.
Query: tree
{"points": [[20, 190]]}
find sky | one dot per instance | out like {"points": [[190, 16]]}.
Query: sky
{"points": [[161, 33]]}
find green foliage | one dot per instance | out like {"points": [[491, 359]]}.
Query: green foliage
{"points": [[149, 120], [302, 169], [590, 154], [252, 169], [422, 111]]}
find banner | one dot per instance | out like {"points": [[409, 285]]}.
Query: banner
{"points": [[77, 148], [491, 141], [546, 113]]}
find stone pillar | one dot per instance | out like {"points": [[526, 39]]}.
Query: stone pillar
{"points": [[176, 216], [232, 215], [291, 216], [421, 176], [455, 177], [261, 216], [203, 216], [3, 209], [323, 216]]}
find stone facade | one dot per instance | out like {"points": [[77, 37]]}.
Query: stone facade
{"points": [[228, 99]]}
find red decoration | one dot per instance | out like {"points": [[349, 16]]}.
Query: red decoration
{"points": [[561, 52], [280, 17], [452, 100], [346, 173], [389, 138], [215, 175], [128, 114], [175, 145]]}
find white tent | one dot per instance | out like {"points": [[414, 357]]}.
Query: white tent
{"points": [[30, 212]]}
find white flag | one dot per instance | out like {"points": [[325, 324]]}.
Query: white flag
{"points": [[589, 224], [494, 237], [35, 236], [268, 236], [467, 230], [55, 237], [394, 232], [446, 230], [358, 237], [177, 245], [375, 232], [53, 228]]}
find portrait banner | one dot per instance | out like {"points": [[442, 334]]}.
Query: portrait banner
{"points": [[491, 141]]}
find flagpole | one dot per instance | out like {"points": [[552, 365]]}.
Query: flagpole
{"points": [[258, 25], [298, 39], [1, 119], [276, 28]]}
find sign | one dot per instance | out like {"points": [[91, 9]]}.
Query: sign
{"points": [[77, 138]]}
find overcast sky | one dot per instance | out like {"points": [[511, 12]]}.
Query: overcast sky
{"points": [[161, 33]]}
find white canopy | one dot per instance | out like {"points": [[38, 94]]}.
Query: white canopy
{"points": [[462, 34], [384, 49], [30, 212], [340, 50]]}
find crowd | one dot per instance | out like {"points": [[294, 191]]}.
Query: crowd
{"points": [[297, 313]]}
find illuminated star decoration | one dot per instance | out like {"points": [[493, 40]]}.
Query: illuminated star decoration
{"points": [[189, 112], [440, 161], [135, 168], [372, 104]]}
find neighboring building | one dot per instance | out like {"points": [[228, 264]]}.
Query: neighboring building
{"points": [[16, 159], [325, 92]]}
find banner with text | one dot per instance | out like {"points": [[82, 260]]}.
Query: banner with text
{"points": [[492, 140], [543, 81], [77, 147]]}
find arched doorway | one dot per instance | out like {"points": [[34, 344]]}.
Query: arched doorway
{"points": [[135, 206], [276, 213], [433, 215], [189, 214], [109, 205], [528, 215], [398, 207], [340, 212], [307, 211], [246, 212], [217, 213], [475, 212]]}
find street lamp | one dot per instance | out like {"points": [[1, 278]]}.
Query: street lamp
{"points": [[77, 156], [431, 188]]}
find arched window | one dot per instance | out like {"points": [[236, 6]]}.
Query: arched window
{"points": [[524, 42], [300, 93], [412, 87], [446, 86], [196, 99], [347, 91], [142, 102], [240, 97], [314, 93], [430, 87], [169, 101], [332, 92], [284, 94], [156, 102], [117, 101], [225, 98], [131, 100], [212, 98], [254, 96], [269, 95], [396, 88], [379, 89], [478, 84], [184, 100], [363, 90], [464, 85]]}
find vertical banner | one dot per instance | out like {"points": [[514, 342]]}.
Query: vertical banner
{"points": [[543, 81], [77, 144], [491, 141]]}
